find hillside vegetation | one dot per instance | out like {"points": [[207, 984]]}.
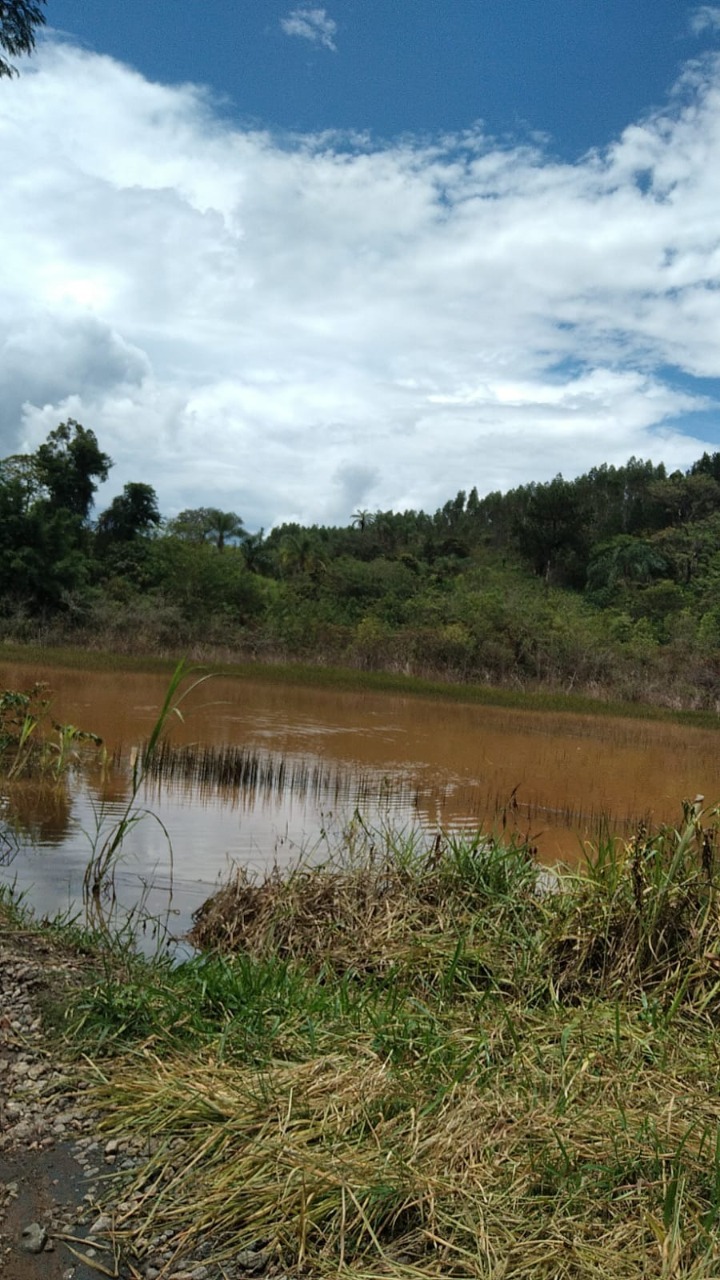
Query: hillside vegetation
{"points": [[606, 584]]}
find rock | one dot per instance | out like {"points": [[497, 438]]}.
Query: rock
{"points": [[252, 1260], [22, 1131], [100, 1225], [34, 1238]]}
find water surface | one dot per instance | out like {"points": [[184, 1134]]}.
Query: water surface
{"points": [[318, 756]]}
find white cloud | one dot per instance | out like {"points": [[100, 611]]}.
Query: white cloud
{"points": [[705, 18], [311, 24], [293, 328]]}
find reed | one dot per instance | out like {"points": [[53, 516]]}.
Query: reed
{"points": [[107, 841], [645, 914]]}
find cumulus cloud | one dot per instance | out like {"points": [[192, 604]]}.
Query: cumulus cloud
{"points": [[311, 24], [296, 327], [705, 18]]}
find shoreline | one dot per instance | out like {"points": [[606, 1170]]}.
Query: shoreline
{"points": [[532, 698]]}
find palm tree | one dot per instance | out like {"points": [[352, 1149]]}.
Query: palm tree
{"points": [[254, 551], [361, 519], [299, 554], [224, 526]]}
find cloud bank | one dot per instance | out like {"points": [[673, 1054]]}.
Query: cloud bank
{"points": [[313, 25], [291, 327]]}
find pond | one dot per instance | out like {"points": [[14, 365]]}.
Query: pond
{"points": [[261, 772]]}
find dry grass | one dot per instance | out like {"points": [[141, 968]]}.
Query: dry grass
{"points": [[386, 902], [540, 1167], [547, 1110]]}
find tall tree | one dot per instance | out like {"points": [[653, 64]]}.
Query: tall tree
{"points": [[68, 465], [203, 524], [361, 519], [18, 21], [551, 532], [133, 513], [224, 526], [190, 525]]}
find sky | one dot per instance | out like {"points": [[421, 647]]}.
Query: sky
{"points": [[295, 260]]}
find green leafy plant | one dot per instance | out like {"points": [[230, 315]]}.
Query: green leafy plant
{"points": [[31, 743]]}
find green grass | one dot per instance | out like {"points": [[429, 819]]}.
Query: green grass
{"points": [[414, 1061], [307, 675]]}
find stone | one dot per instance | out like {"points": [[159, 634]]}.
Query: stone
{"points": [[252, 1260], [33, 1238]]}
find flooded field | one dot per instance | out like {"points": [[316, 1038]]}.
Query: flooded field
{"points": [[255, 773]]}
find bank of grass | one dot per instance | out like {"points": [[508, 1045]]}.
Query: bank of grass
{"points": [[421, 1060], [528, 698]]}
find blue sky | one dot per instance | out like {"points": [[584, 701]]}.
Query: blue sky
{"points": [[576, 70], [292, 259]]}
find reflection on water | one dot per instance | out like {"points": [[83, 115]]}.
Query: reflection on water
{"points": [[39, 812], [257, 773]]}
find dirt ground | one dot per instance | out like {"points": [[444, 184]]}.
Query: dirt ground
{"points": [[45, 1192], [50, 1189]]}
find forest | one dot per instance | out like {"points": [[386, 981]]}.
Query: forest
{"points": [[606, 584]]}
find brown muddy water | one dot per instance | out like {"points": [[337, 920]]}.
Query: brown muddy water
{"points": [[257, 773]]}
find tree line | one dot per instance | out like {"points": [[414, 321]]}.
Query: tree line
{"points": [[606, 582]]}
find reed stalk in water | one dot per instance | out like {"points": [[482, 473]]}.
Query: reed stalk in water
{"points": [[98, 878]]}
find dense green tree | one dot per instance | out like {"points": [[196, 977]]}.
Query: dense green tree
{"points": [[202, 583], [299, 553], [622, 562], [45, 499], [68, 466], [551, 533], [202, 524], [42, 560], [131, 515], [19, 20], [191, 525], [20, 468], [683, 498], [708, 465]]}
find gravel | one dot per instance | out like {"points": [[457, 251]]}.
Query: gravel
{"points": [[56, 1207]]}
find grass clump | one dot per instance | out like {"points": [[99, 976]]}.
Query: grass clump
{"points": [[645, 916], [388, 905], [417, 1061]]}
